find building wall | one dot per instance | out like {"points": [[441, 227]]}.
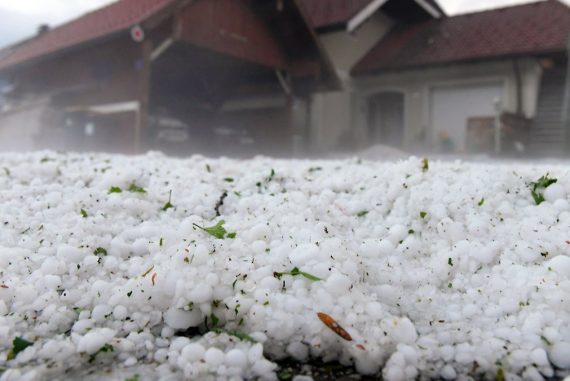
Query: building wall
{"points": [[417, 86], [331, 113]]}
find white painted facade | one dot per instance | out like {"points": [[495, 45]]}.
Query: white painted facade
{"points": [[462, 86], [331, 113], [341, 119]]}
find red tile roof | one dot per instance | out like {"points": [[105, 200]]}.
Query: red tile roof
{"points": [[530, 29], [113, 18], [324, 13], [327, 13]]}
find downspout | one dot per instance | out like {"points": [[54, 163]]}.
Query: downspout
{"points": [[518, 87]]}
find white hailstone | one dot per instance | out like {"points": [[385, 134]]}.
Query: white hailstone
{"points": [[255, 352], [180, 319], [298, 351], [448, 373], [539, 357], [560, 264], [70, 254], [397, 233], [100, 312], [178, 343], [303, 253], [263, 368], [236, 358], [404, 331], [337, 284], [200, 293], [532, 374], [525, 253], [193, 352], [120, 312], [562, 205], [554, 192], [94, 340], [560, 355], [214, 357]]}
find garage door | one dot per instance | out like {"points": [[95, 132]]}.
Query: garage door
{"points": [[454, 107]]}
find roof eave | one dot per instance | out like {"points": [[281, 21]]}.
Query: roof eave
{"points": [[360, 73]]}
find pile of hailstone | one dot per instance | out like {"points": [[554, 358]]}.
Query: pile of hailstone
{"points": [[216, 268]]}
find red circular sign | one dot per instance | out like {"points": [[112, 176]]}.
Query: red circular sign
{"points": [[137, 33]]}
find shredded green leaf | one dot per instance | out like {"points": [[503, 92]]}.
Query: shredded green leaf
{"points": [[228, 179], [425, 164], [134, 188], [83, 213], [546, 341], [450, 261], [480, 203], [100, 252], [295, 272], [168, 204], [115, 190], [240, 335], [500, 374], [362, 213], [538, 187], [18, 345], [423, 214], [217, 230], [271, 176], [134, 377], [104, 349]]}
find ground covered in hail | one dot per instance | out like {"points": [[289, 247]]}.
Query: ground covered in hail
{"points": [[151, 267]]}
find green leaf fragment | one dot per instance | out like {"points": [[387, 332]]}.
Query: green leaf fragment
{"points": [[500, 374], [423, 214], [168, 204], [134, 377], [83, 213], [271, 176], [107, 348], [100, 252], [425, 164], [480, 203], [134, 188], [18, 345], [295, 272], [240, 335], [538, 187], [115, 190], [362, 213], [228, 179], [217, 230]]}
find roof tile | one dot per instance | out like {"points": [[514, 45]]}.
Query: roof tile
{"points": [[528, 29], [115, 17]]}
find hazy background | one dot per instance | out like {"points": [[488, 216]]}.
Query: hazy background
{"points": [[21, 18]]}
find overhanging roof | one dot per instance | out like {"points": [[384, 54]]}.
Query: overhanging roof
{"points": [[530, 29], [116, 17]]}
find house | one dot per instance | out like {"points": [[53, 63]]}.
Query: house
{"points": [[211, 76], [284, 77], [444, 84], [348, 30]]}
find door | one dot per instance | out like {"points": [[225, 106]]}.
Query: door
{"points": [[452, 108], [386, 119]]}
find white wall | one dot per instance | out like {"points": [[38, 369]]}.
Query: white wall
{"points": [[417, 86], [331, 113]]}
